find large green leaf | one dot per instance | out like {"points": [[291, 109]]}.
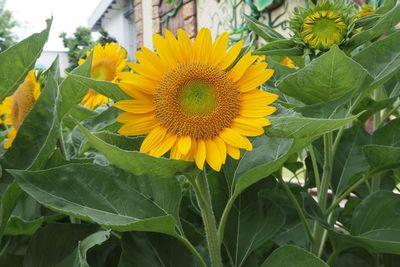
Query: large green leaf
{"points": [[153, 250], [134, 161], [253, 220], [386, 23], [381, 58], [349, 159], [326, 78], [78, 257], [16, 61], [106, 195], [285, 47], [105, 88], [382, 158], [291, 256], [51, 245], [388, 135]]}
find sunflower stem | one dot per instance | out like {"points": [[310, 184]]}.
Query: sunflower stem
{"points": [[203, 195]]}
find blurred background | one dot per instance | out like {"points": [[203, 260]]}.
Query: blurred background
{"points": [[79, 24]]}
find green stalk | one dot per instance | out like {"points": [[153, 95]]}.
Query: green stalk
{"points": [[193, 250], [319, 231], [202, 191], [224, 218], [298, 208], [315, 167]]}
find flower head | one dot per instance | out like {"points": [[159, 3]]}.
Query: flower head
{"points": [[107, 63], [323, 25], [195, 99], [15, 108]]}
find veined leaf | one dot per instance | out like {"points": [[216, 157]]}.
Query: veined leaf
{"points": [[283, 47], [136, 162], [291, 256], [18, 60], [106, 195], [329, 77], [264, 31]]}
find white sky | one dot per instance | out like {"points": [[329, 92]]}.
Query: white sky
{"points": [[68, 14]]}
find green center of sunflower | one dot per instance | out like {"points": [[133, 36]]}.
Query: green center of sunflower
{"points": [[197, 98], [323, 28], [103, 69]]}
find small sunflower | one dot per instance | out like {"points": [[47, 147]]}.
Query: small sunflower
{"points": [[288, 63], [15, 108], [365, 10], [107, 63], [323, 25], [195, 99]]}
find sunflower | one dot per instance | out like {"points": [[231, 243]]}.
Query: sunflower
{"points": [[195, 99], [323, 25], [107, 63], [15, 108], [288, 63]]}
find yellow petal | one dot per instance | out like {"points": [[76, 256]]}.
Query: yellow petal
{"points": [[219, 49], [241, 66], [184, 144], [257, 112], [254, 77], [153, 139], [213, 155], [135, 106], [233, 152], [246, 128], [258, 98], [233, 138], [185, 45], [166, 55], [232, 54], [221, 147], [138, 127], [200, 155], [164, 145], [203, 45]]}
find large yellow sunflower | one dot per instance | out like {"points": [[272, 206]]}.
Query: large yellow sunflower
{"points": [[108, 61], [15, 108], [195, 98]]}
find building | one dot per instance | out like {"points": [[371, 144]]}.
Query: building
{"points": [[133, 22], [47, 58]]}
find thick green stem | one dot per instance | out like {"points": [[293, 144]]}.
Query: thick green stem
{"points": [[203, 196], [319, 231], [224, 218], [298, 209], [315, 167]]}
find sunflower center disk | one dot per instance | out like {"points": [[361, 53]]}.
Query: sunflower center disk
{"points": [[323, 28], [103, 69], [197, 100]]}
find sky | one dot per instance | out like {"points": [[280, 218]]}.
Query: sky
{"points": [[68, 15]]}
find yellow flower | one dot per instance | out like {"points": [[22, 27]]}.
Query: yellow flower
{"points": [[15, 108], [195, 99], [323, 28], [288, 63], [108, 62], [366, 10]]}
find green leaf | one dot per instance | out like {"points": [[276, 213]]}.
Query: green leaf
{"points": [[17, 61], [78, 256], [349, 161], [386, 23], [285, 47], [329, 77], [382, 158], [264, 31], [105, 88], [153, 250], [381, 58], [40, 130], [73, 92], [54, 243], [134, 161], [18, 226], [388, 135], [253, 220], [100, 194], [294, 126], [291, 256], [9, 199]]}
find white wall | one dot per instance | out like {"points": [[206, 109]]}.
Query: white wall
{"points": [[147, 23], [47, 57]]}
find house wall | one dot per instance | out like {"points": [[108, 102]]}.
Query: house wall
{"points": [[47, 57]]}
